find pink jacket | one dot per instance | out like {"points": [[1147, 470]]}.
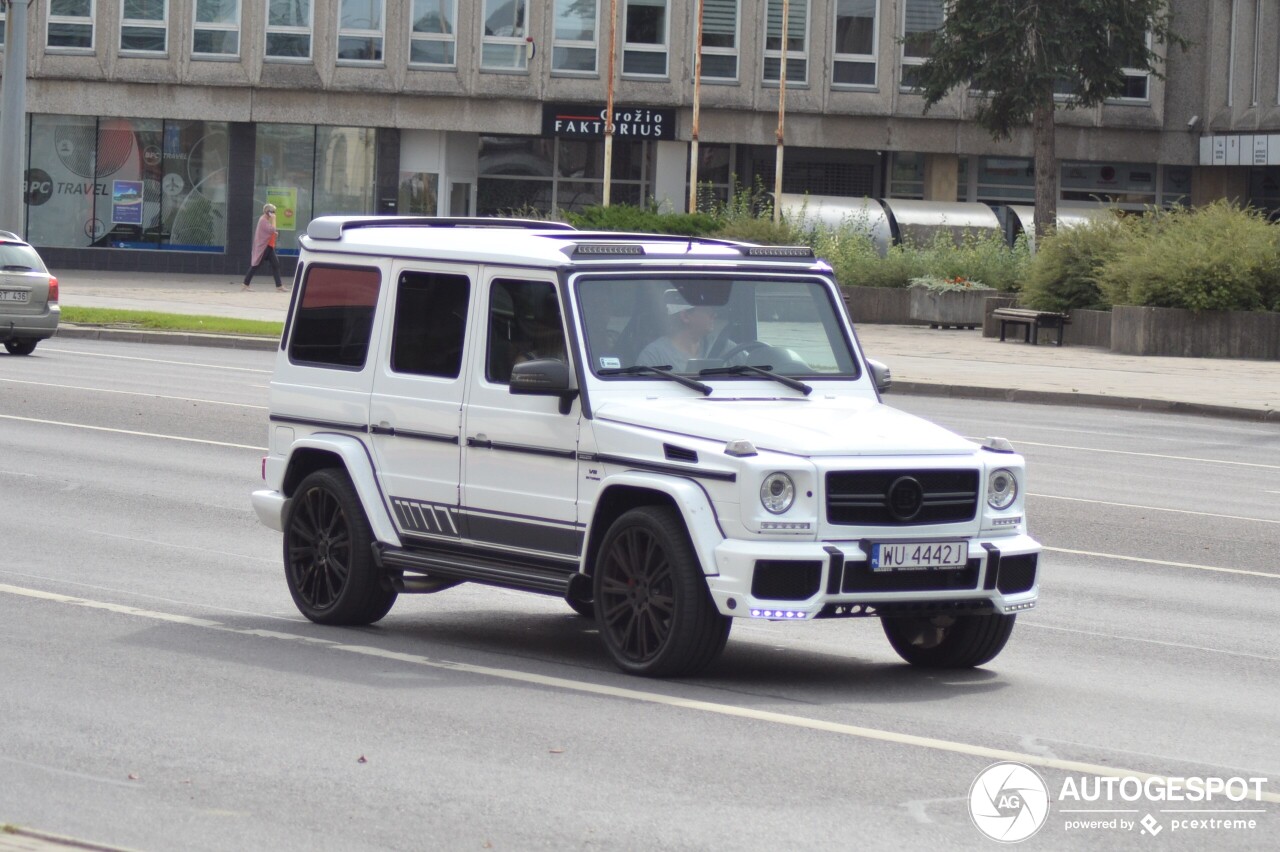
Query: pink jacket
{"points": [[261, 236]]}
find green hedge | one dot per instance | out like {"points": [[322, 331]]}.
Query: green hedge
{"points": [[1065, 271]]}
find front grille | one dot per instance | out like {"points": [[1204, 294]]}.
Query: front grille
{"points": [[901, 497], [858, 577], [1017, 573], [781, 580]]}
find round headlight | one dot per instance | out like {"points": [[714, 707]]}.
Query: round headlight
{"points": [[777, 493], [1002, 489]]}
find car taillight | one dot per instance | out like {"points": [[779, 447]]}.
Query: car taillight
{"points": [[53, 289]]}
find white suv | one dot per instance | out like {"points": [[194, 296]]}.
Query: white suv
{"points": [[668, 433]]}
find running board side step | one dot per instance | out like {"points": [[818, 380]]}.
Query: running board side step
{"points": [[448, 569]]}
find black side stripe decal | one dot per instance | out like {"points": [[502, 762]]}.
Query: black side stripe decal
{"points": [[655, 467]]}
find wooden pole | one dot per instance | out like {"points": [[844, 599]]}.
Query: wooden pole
{"points": [[697, 101], [608, 108], [782, 112]]}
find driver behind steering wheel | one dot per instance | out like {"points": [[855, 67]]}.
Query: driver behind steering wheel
{"points": [[689, 336]]}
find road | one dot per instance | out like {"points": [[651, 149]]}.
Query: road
{"points": [[158, 690]]}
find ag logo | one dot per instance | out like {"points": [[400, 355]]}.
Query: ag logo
{"points": [[1009, 802]]}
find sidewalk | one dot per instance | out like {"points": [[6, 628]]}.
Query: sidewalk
{"points": [[948, 362]]}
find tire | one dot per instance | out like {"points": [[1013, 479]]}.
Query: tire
{"points": [[948, 641], [20, 347], [655, 614], [586, 609], [328, 559]]}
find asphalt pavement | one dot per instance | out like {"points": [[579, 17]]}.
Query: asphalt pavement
{"points": [[945, 362]]}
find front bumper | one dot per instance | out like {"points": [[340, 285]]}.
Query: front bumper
{"points": [[800, 581]]}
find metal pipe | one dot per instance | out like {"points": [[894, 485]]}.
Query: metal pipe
{"points": [[697, 101], [13, 120], [608, 107], [782, 111]]}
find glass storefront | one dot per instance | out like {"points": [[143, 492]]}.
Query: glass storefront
{"points": [[309, 171], [535, 173], [127, 183]]}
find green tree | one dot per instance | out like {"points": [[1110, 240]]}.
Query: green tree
{"points": [[1021, 53]]}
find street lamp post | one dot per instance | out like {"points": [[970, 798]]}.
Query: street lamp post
{"points": [[13, 115]]}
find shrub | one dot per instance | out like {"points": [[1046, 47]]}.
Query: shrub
{"points": [[1064, 272], [647, 220], [958, 284], [762, 231], [1219, 257]]}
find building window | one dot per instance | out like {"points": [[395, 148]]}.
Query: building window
{"points": [[144, 26], [906, 175], [432, 37], [1130, 186], [360, 31], [854, 63], [797, 42], [1137, 82], [921, 21], [574, 49], [288, 29], [217, 28], [644, 49], [720, 40], [129, 183], [70, 25], [505, 44]]}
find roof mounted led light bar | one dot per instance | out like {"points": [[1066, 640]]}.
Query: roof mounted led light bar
{"points": [[608, 249], [778, 251]]}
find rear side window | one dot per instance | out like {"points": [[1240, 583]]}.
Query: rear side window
{"points": [[334, 317], [431, 318]]}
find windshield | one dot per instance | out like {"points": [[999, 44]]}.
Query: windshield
{"points": [[700, 325]]}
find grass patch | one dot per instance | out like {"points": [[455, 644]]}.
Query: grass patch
{"points": [[170, 322]]}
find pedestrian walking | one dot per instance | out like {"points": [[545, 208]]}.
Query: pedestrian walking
{"points": [[264, 246]]}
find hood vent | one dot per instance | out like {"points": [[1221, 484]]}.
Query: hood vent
{"points": [[680, 454]]}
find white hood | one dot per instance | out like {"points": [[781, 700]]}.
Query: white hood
{"points": [[805, 427]]}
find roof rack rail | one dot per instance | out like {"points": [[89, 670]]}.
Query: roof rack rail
{"points": [[333, 227], [612, 243]]}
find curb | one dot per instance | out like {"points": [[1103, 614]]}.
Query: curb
{"points": [[173, 338], [1128, 403]]}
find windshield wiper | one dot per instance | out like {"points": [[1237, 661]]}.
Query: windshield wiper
{"points": [[16, 267], [663, 370], [765, 370]]}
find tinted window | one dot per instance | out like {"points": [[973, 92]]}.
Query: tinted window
{"points": [[335, 316], [15, 257], [431, 315], [524, 325]]}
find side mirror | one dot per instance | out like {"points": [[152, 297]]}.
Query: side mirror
{"points": [[881, 375], [544, 377]]}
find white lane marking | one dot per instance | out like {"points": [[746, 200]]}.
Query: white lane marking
{"points": [[1182, 645], [159, 361], [1150, 455], [131, 432], [71, 773], [157, 542], [135, 393], [1164, 562], [1158, 508], [637, 695]]}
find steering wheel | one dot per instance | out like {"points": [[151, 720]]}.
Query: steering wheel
{"points": [[746, 348]]}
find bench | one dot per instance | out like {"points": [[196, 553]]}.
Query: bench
{"points": [[1031, 322]]}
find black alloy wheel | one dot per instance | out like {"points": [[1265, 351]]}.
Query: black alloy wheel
{"points": [[327, 555], [655, 614]]}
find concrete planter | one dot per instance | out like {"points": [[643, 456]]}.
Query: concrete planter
{"points": [[888, 305], [1195, 334], [943, 308]]}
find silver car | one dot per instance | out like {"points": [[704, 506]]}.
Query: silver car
{"points": [[28, 296]]}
